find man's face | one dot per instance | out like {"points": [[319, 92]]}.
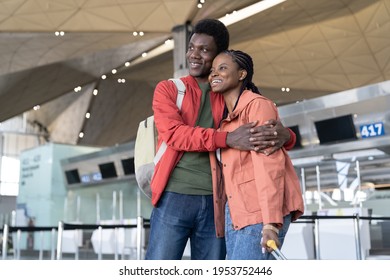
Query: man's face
{"points": [[202, 49]]}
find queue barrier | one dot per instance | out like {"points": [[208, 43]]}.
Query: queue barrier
{"points": [[56, 248]]}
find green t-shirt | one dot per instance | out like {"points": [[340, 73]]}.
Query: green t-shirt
{"points": [[192, 175]]}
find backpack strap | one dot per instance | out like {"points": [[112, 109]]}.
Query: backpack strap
{"points": [[181, 90]]}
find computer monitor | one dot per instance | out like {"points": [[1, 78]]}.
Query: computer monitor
{"points": [[336, 130], [108, 170], [298, 143], [128, 166], [72, 176]]}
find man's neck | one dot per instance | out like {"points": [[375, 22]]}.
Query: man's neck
{"points": [[202, 80]]}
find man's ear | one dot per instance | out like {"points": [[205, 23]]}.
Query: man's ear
{"points": [[242, 74]]}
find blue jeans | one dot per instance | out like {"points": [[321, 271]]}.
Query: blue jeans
{"points": [[245, 244], [179, 217]]}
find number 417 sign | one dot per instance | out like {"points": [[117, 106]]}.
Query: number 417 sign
{"points": [[372, 130]]}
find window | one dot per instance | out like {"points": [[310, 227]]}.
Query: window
{"points": [[9, 176]]}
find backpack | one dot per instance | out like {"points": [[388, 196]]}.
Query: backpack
{"points": [[145, 155]]}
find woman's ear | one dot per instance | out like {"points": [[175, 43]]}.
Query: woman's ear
{"points": [[242, 74]]}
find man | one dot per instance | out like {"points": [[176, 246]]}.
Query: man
{"points": [[181, 185]]}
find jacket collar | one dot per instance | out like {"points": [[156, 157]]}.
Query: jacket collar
{"points": [[245, 98]]}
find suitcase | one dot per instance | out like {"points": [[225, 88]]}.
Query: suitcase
{"points": [[276, 252]]}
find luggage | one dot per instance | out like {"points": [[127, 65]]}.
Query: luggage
{"points": [[276, 252]]}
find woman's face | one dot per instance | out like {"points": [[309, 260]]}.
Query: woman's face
{"points": [[225, 74]]}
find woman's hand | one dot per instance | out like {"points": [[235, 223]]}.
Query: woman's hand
{"points": [[269, 234]]}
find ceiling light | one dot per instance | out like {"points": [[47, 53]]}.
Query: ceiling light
{"points": [[200, 5], [141, 33], [113, 71], [249, 11], [95, 92], [227, 15], [81, 134], [135, 33], [104, 77], [36, 107], [59, 33], [153, 53], [87, 115], [127, 64], [235, 17]]}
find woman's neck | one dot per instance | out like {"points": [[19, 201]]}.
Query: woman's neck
{"points": [[230, 99]]}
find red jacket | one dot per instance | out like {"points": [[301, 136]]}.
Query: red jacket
{"points": [[177, 129], [258, 188]]}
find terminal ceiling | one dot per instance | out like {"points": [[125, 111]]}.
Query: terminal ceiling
{"points": [[313, 48]]}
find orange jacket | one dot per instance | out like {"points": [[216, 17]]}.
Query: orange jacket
{"points": [[258, 188]]}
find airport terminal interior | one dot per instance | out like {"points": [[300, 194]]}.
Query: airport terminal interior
{"points": [[77, 77]]}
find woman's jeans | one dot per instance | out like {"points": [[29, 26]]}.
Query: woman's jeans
{"points": [[178, 217], [245, 244]]}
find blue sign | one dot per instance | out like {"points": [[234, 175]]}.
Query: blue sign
{"points": [[372, 130], [90, 178]]}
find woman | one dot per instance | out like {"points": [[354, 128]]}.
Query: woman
{"points": [[262, 192]]}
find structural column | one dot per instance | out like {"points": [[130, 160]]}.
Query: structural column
{"points": [[181, 35]]}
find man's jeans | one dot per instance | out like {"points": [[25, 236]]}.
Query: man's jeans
{"points": [[178, 217], [245, 244]]}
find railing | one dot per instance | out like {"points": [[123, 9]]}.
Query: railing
{"points": [[7, 230], [141, 224], [314, 219], [56, 243]]}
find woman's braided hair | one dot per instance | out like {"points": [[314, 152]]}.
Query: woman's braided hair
{"points": [[245, 62]]}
